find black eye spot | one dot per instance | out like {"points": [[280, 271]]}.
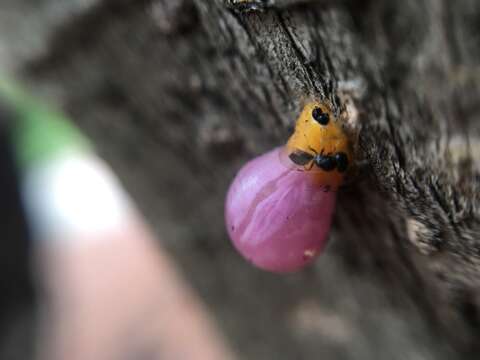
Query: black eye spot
{"points": [[326, 163], [321, 117], [342, 161], [300, 157]]}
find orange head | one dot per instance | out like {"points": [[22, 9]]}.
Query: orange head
{"points": [[320, 144]]}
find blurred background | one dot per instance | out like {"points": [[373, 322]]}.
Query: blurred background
{"points": [[176, 113]]}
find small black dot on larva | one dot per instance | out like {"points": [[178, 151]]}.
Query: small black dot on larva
{"points": [[320, 116]]}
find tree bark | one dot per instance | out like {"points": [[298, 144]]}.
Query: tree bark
{"points": [[177, 94]]}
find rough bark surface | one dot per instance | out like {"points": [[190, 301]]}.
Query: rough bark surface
{"points": [[177, 94]]}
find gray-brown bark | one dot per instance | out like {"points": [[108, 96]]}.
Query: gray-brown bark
{"points": [[177, 94]]}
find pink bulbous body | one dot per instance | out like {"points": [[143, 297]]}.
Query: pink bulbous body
{"points": [[278, 218]]}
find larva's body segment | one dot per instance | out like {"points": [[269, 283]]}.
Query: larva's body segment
{"points": [[277, 219]]}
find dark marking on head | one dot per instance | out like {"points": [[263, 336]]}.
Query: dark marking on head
{"points": [[300, 157], [342, 161], [326, 163], [320, 116]]}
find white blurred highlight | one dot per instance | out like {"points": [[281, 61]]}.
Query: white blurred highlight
{"points": [[75, 195]]}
